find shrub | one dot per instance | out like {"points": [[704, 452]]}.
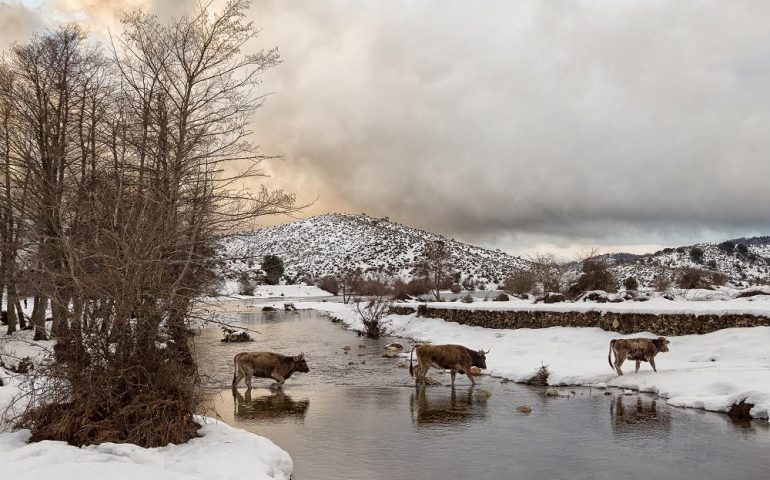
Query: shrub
{"points": [[329, 283], [712, 264], [728, 247], [696, 254], [501, 298], [690, 278], [245, 285], [719, 279], [520, 283], [467, 298], [373, 314], [661, 282], [371, 287], [273, 268], [630, 283], [596, 276], [456, 288]]}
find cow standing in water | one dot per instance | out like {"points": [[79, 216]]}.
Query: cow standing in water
{"points": [[267, 365], [637, 349], [454, 358]]}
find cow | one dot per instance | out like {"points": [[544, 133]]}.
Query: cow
{"points": [[637, 349], [267, 365], [454, 358]]}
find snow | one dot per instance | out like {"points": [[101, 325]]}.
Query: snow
{"points": [[275, 291], [711, 371], [222, 452], [657, 305], [16, 347]]}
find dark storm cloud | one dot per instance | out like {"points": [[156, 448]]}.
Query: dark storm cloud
{"points": [[592, 122], [518, 124]]}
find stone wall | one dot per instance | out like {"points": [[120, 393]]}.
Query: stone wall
{"points": [[668, 324]]}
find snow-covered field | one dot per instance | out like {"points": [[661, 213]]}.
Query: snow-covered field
{"points": [[711, 371], [231, 289], [758, 305]]}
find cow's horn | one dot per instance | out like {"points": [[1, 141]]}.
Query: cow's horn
{"points": [[486, 352]]}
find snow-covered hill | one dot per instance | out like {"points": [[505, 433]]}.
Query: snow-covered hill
{"points": [[328, 244], [745, 261]]}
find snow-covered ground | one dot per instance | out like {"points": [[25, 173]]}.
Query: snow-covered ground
{"points": [[231, 288], [222, 452], [711, 371], [758, 305]]}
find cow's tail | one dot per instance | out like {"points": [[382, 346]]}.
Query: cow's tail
{"points": [[235, 369], [411, 368], [609, 355]]}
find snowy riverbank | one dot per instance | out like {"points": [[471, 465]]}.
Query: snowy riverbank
{"points": [[711, 371], [221, 451]]}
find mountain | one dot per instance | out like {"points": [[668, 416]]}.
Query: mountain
{"points": [[328, 244]]}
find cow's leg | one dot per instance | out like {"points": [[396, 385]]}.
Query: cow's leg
{"points": [[470, 376], [424, 366], [417, 374], [278, 380], [238, 377], [453, 373], [652, 362], [248, 381], [619, 359], [638, 364]]}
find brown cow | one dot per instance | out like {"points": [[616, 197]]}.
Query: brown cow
{"points": [[637, 349], [455, 358], [267, 365]]}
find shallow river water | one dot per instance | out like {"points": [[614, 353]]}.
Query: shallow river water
{"points": [[356, 415]]}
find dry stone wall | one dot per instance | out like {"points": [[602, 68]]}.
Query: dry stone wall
{"points": [[668, 324]]}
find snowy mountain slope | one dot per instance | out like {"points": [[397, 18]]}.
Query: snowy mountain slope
{"points": [[748, 265], [328, 244]]}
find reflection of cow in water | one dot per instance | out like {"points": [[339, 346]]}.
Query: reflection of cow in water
{"points": [[441, 410], [631, 413], [268, 407]]}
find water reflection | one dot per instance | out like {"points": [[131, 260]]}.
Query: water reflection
{"points": [[274, 406], [637, 414], [443, 409]]}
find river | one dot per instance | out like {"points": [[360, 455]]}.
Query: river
{"points": [[357, 415]]}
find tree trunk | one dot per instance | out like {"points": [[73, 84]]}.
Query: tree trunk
{"points": [[38, 317], [20, 314], [12, 301]]}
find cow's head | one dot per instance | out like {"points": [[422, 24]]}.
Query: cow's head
{"points": [[661, 344], [480, 359], [300, 364]]}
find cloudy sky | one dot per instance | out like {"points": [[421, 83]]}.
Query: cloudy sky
{"points": [[535, 125]]}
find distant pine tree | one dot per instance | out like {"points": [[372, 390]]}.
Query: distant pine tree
{"points": [[273, 267]]}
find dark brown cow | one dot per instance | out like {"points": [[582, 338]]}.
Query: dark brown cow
{"points": [[267, 365], [637, 349], [454, 358]]}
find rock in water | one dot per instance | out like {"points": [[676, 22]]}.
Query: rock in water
{"points": [[551, 392], [524, 408], [237, 337], [628, 392], [475, 371], [483, 394]]}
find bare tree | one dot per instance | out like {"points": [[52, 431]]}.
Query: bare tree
{"points": [[132, 182], [435, 265], [547, 271], [372, 314]]}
